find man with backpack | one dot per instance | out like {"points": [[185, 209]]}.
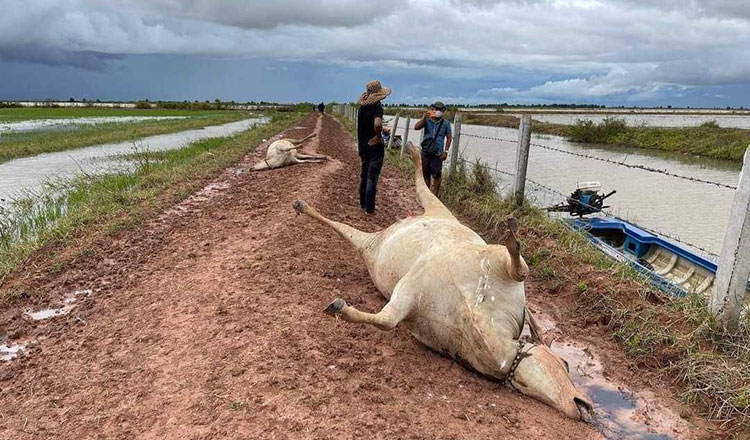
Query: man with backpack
{"points": [[436, 141]]}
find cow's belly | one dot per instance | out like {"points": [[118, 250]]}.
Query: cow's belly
{"points": [[453, 317], [405, 243]]}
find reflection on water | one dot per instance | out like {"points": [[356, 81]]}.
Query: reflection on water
{"points": [[695, 212], [649, 120], [44, 124], [27, 175], [620, 414]]}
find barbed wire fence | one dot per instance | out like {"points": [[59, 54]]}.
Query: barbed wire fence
{"points": [[544, 196]]}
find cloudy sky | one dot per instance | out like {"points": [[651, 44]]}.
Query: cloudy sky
{"points": [[626, 52]]}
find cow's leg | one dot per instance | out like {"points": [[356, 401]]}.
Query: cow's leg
{"points": [[398, 307], [299, 155], [299, 141], [357, 238], [517, 268], [292, 147], [296, 159], [431, 204]]}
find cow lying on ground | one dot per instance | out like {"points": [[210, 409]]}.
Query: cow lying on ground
{"points": [[459, 296], [284, 152]]}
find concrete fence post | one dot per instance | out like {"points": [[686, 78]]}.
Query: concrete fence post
{"points": [[522, 158], [393, 132], [728, 296], [356, 118], [455, 144], [407, 128]]}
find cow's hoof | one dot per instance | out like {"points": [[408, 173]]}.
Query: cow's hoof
{"points": [[299, 206], [335, 307], [512, 224]]}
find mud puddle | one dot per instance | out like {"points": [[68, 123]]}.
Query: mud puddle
{"points": [[621, 413], [10, 351], [68, 303]]}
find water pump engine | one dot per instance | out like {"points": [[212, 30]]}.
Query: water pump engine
{"points": [[585, 200]]}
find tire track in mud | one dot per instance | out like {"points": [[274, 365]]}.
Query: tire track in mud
{"points": [[210, 325]]}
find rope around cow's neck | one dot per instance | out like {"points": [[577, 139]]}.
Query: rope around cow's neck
{"points": [[512, 372]]}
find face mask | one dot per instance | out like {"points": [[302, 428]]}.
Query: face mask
{"points": [[438, 114]]}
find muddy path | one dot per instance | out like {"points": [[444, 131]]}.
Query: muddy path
{"points": [[207, 323]]}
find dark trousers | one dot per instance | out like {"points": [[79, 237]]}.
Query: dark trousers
{"points": [[368, 181]]}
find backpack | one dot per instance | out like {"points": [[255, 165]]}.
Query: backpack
{"points": [[428, 145]]}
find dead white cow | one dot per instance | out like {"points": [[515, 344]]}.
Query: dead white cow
{"points": [[459, 296], [284, 152]]}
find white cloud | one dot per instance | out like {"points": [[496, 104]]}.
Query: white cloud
{"points": [[592, 48]]}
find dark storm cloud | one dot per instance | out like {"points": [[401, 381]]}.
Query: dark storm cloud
{"points": [[55, 57], [587, 48], [264, 14]]}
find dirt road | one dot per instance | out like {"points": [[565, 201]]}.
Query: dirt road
{"points": [[207, 323]]}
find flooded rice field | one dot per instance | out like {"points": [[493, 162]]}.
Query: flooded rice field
{"points": [[647, 120], [694, 212], [23, 176], [57, 123]]}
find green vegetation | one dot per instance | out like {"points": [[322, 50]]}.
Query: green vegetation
{"points": [[21, 144], [673, 337], [16, 114], [115, 201], [707, 140]]}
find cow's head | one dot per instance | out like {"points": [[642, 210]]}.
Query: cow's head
{"points": [[544, 376]]}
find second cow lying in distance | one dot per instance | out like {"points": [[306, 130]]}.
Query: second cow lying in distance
{"points": [[284, 152], [459, 296]]}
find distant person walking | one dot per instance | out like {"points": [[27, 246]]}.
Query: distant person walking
{"points": [[436, 141], [322, 107], [370, 142]]}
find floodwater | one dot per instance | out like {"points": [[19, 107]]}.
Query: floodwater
{"points": [[47, 124], [694, 212], [648, 120], [23, 176]]}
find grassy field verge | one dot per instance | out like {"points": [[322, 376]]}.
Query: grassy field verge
{"points": [[116, 201], [16, 114], [707, 140], [22, 144]]}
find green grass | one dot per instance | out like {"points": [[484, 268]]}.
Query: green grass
{"points": [[22, 144], [16, 114], [706, 140], [119, 201], [674, 337]]}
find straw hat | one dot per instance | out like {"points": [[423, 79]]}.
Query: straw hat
{"points": [[375, 92]]}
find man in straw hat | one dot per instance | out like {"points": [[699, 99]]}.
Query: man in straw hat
{"points": [[370, 142], [436, 140]]}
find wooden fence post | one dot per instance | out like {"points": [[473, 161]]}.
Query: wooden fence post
{"points": [[393, 132], [728, 296], [455, 144], [522, 158], [407, 128]]}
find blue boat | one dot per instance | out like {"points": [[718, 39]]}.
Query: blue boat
{"points": [[671, 267]]}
